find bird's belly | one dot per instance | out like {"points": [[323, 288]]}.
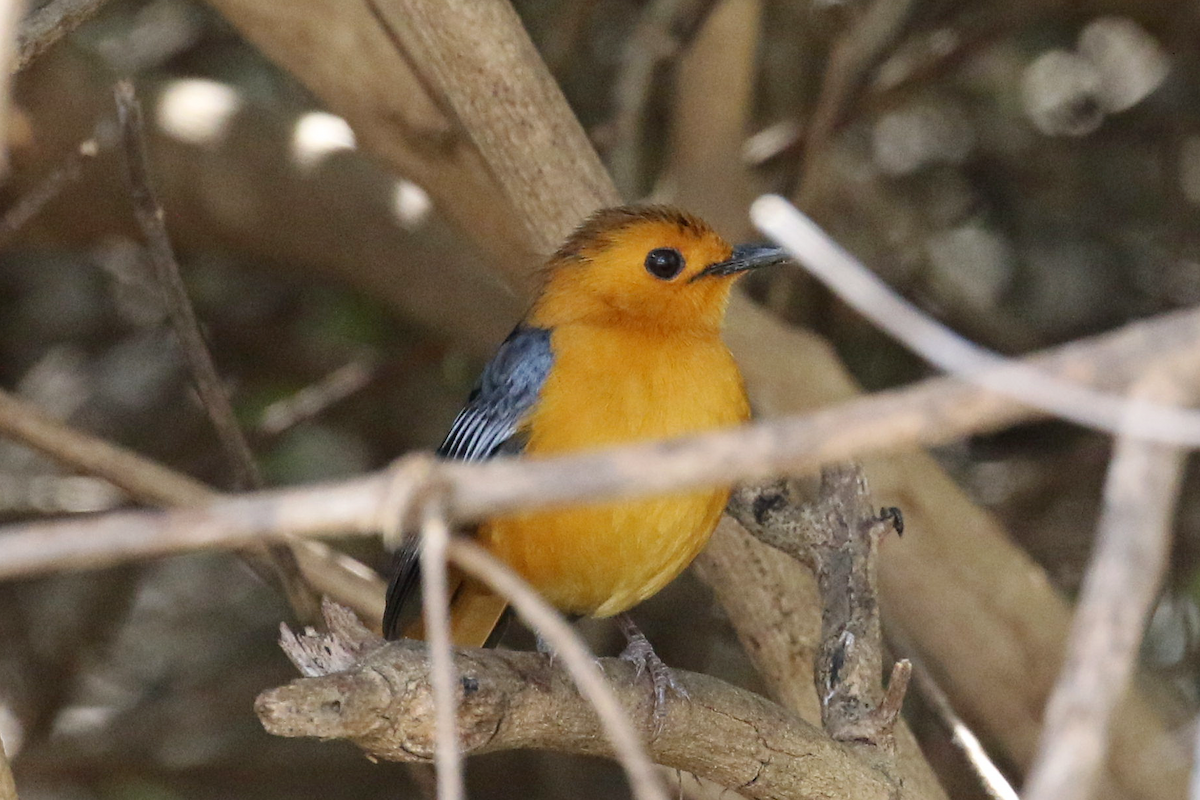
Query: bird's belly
{"points": [[600, 560], [608, 388]]}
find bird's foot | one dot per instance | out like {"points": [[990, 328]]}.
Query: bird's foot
{"points": [[641, 653]]}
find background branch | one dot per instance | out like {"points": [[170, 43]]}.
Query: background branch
{"points": [[1122, 582]]}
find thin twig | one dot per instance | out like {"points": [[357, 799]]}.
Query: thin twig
{"points": [[209, 387], [435, 596], [579, 661], [961, 736], [348, 581], [860, 288], [663, 30], [851, 61], [32, 202], [1119, 589], [48, 24], [935, 411], [313, 400], [151, 219]]}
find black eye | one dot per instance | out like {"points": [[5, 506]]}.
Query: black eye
{"points": [[664, 262]]}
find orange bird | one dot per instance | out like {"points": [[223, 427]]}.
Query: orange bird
{"points": [[622, 344]]}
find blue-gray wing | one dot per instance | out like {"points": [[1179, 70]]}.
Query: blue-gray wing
{"points": [[502, 398], [489, 424]]}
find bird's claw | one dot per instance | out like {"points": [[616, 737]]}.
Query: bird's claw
{"points": [[641, 654]]}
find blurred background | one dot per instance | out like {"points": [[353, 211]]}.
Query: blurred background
{"points": [[1027, 171]]}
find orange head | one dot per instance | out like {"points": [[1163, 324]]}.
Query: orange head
{"points": [[646, 266]]}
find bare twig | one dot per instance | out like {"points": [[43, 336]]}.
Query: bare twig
{"points": [[990, 777], [330, 572], [851, 61], [435, 597], [513, 700], [28, 206], [577, 659], [1119, 589], [663, 30], [48, 24], [150, 217], [854, 283], [311, 401], [935, 411]]}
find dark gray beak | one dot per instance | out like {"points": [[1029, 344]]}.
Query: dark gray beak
{"points": [[745, 257]]}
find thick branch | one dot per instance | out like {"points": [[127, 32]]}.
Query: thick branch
{"points": [[511, 700]]}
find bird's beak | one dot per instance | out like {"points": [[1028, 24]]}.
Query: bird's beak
{"points": [[745, 257]]}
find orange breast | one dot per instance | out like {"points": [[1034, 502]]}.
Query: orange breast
{"points": [[610, 386]]}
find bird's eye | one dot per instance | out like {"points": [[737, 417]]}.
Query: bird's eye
{"points": [[664, 262]]}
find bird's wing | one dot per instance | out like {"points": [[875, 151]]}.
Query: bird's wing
{"points": [[489, 424]]}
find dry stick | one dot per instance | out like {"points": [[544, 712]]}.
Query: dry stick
{"points": [[348, 581], [864, 291], [435, 597], [932, 412], [48, 24], [991, 779], [150, 217], [33, 201], [313, 400], [1118, 593], [853, 57], [579, 661], [663, 30]]}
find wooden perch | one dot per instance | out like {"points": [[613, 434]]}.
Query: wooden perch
{"points": [[509, 700]]}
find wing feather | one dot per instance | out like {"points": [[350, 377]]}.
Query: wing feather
{"points": [[490, 423]]}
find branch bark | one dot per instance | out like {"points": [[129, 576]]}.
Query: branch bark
{"points": [[511, 700]]}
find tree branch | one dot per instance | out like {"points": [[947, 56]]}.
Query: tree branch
{"points": [[512, 700]]}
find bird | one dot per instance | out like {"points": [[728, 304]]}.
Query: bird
{"points": [[622, 344]]}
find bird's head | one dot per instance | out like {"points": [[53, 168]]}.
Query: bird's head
{"points": [[646, 266]]}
